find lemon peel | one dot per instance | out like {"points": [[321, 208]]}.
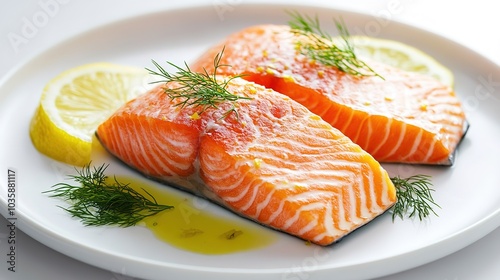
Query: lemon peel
{"points": [[75, 102], [402, 56]]}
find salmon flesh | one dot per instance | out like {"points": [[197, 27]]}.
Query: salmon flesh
{"points": [[269, 160], [403, 117]]}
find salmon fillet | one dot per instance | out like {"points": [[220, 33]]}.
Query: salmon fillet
{"points": [[405, 117], [273, 161]]}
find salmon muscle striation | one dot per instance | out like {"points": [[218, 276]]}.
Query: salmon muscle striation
{"points": [[270, 160], [403, 118]]}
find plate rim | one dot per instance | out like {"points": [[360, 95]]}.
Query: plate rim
{"points": [[34, 228]]}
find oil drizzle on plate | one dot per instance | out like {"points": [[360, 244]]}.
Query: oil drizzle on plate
{"points": [[190, 227]]}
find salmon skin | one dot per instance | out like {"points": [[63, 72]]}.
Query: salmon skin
{"points": [[273, 162], [402, 118]]}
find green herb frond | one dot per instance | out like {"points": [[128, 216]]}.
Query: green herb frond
{"points": [[320, 46], [414, 197], [96, 202], [197, 89]]}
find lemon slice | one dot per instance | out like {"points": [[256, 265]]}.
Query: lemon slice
{"points": [[401, 56], [75, 102]]}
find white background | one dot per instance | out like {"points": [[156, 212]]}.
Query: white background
{"points": [[471, 23]]}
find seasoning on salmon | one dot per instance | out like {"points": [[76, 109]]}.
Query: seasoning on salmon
{"points": [[404, 117], [271, 160]]}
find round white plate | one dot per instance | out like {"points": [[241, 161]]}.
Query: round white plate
{"points": [[468, 192]]}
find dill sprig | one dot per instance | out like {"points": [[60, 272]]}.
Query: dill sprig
{"points": [[97, 202], [197, 89], [320, 46], [414, 197]]}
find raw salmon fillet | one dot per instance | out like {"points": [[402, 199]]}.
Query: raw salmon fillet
{"points": [[405, 117], [273, 161]]}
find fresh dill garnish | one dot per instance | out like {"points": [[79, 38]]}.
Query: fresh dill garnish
{"points": [[97, 202], [198, 89], [320, 46], [413, 196], [231, 234]]}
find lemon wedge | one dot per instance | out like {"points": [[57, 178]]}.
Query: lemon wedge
{"points": [[75, 102], [401, 56]]}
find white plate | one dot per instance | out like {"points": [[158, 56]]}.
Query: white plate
{"points": [[468, 192]]}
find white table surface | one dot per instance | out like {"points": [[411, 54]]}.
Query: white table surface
{"points": [[472, 23]]}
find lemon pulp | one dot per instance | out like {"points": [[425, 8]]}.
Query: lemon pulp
{"points": [[401, 56], [75, 102]]}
